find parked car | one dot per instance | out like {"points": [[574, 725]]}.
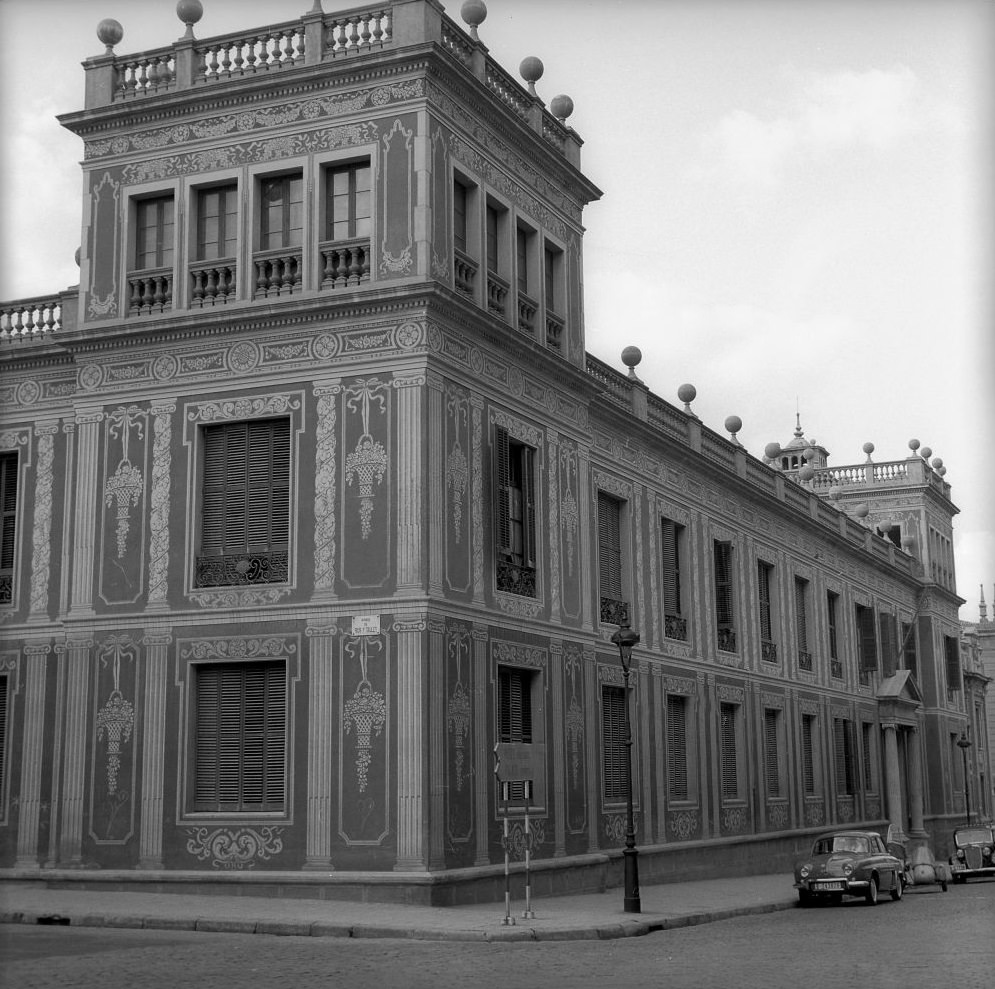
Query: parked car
{"points": [[974, 852], [849, 863]]}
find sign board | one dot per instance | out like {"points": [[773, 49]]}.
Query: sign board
{"points": [[517, 762], [366, 625]]}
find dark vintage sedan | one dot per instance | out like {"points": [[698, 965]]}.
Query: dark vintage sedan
{"points": [[974, 852], [849, 863]]}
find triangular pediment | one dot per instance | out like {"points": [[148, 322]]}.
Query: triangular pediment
{"points": [[900, 688]]}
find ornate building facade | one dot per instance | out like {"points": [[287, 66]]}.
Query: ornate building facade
{"points": [[312, 495]]}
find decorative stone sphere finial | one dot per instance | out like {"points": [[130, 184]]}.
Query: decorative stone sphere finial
{"points": [[474, 13], [808, 453], [868, 448], [861, 511], [76, 256], [913, 444], [733, 424], [941, 471], [886, 526], [561, 107], [109, 32], [531, 71], [631, 356], [926, 453], [937, 462], [189, 12], [687, 394], [834, 493], [806, 472], [908, 544], [772, 451]]}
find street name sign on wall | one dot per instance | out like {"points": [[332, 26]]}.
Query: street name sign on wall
{"points": [[518, 762], [366, 625]]}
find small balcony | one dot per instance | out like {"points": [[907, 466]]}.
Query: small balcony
{"points": [[497, 294], [150, 291], [238, 569], [675, 627], [614, 612], [465, 274], [527, 309], [514, 578], [344, 264], [805, 660], [554, 331], [277, 273], [768, 651], [725, 639], [213, 283]]}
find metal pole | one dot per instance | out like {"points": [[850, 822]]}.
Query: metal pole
{"points": [[967, 785], [528, 913], [632, 902], [508, 921]]}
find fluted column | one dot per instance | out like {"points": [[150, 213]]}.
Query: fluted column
{"points": [[325, 487], [893, 784], [591, 736], [41, 536], [74, 747], [84, 528], [437, 698], [410, 483], [412, 849], [157, 642], [162, 433], [558, 684], [320, 746], [35, 659], [482, 745], [436, 485], [913, 739]]}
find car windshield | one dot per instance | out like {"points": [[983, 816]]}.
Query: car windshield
{"points": [[841, 843], [973, 836]]}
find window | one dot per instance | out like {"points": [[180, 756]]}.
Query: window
{"points": [[614, 763], [808, 755], [832, 609], [154, 233], [614, 610], [724, 613], [282, 212], [522, 259], [801, 624], [729, 750], [4, 721], [8, 524], [240, 737], [348, 202], [772, 751], [768, 648], [245, 504], [677, 747], [552, 279], [674, 622], [516, 511], [459, 216], [514, 705], [495, 233], [867, 645], [951, 651], [492, 252], [217, 222], [527, 305], [843, 749], [867, 742], [909, 653], [889, 647]]}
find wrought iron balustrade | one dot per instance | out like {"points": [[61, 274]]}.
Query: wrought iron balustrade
{"points": [[805, 660], [614, 612], [768, 651], [514, 578], [237, 569], [725, 639], [675, 627]]}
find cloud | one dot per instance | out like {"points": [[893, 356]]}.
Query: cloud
{"points": [[827, 113]]}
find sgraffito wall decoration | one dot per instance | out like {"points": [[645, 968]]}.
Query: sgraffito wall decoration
{"points": [[234, 849], [573, 725], [102, 258], [457, 441], [459, 750], [364, 744], [123, 520], [113, 765], [442, 191], [397, 195]]}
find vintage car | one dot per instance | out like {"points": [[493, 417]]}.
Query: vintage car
{"points": [[849, 863], [974, 852]]}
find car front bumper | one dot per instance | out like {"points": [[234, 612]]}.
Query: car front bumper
{"points": [[829, 885]]}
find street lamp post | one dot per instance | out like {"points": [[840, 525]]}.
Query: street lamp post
{"points": [[964, 743], [625, 639]]}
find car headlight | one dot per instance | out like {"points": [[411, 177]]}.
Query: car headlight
{"points": [[805, 870], [847, 868], [960, 853], [986, 850]]}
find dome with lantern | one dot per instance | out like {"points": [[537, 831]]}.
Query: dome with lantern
{"points": [[798, 452]]}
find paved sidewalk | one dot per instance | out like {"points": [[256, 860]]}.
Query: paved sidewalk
{"points": [[584, 917]]}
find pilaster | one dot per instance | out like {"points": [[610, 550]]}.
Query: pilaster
{"points": [[162, 433], [412, 843], [157, 642], [558, 691], [436, 485], [84, 528], [41, 536], [481, 749], [74, 746], [410, 483], [320, 766], [325, 487], [35, 660]]}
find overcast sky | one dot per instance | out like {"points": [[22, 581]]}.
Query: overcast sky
{"points": [[797, 208]]}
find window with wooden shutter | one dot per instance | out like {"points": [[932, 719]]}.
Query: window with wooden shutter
{"points": [[459, 216], [677, 747], [8, 524], [910, 656], [889, 647], [728, 750], [614, 610], [867, 743], [844, 756], [154, 232], [768, 648], [808, 754], [515, 515], [245, 504], [491, 239], [832, 616], [672, 537], [951, 648], [724, 601], [514, 705], [867, 646], [614, 763], [4, 721], [772, 752], [240, 737], [801, 624]]}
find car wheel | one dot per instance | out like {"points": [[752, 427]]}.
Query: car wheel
{"points": [[804, 898], [871, 896], [896, 893]]}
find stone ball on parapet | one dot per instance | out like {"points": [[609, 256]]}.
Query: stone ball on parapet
{"points": [[76, 256], [942, 471], [631, 356], [926, 453], [687, 393], [868, 448], [109, 32], [561, 107], [531, 69], [937, 462], [908, 544], [806, 472], [733, 424], [861, 511], [474, 13], [913, 444], [189, 11], [772, 451], [834, 493], [808, 453]]}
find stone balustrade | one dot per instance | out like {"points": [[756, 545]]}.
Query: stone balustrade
{"points": [[150, 291], [27, 319], [235, 56], [277, 273], [344, 264], [213, 283]]}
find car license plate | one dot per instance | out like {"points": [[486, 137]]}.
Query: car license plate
{"points": [[829, 886]]}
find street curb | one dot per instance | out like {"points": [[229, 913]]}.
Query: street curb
{"points": [[290, 928]]}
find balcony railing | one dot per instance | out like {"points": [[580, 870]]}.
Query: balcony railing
{"points": [[725, 639], [212, 283], [768, 651], [554, 331], [30, 318], [836, 669], [464, 274], [344, 264], [675, 627], [614, 612], [150, 291], [237, 569], [514, 578], [805, 660], [277, 273], [497, 293], [527, 309]]}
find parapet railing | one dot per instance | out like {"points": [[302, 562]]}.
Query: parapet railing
{"points": [[30, 319], [315, 39]]}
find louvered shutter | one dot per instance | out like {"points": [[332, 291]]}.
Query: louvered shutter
{"points": [[763, 586], [801, 613], [888, 646], [8, 505], [514, 705], [808, 753], [529, 509], [671, 568], [503, 468], [772, 770], [952, 649], [727, 746], [677, 758], [613, 742], [867, 740], [839, 751], [609, 547], [867, 639], [3, 740], [911, 656], [723, 585]]}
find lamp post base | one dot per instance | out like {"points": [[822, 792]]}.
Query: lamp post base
{"points": [[631, 902]]}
